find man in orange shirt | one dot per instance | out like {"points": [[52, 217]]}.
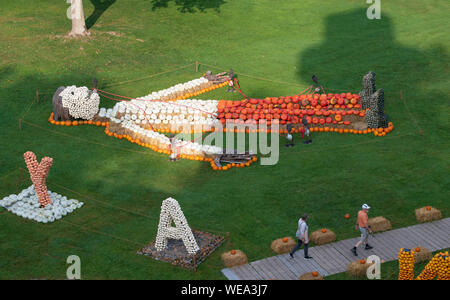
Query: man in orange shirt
{"points": [[362, 223]]}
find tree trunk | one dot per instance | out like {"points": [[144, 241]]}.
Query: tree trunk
{"points": [[78, 23]]}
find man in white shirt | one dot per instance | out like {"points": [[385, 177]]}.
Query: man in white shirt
{"points": [[302, 235]]}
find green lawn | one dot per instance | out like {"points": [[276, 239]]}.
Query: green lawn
{"points": [[409, 168]]}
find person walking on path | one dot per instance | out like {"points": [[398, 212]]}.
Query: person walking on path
{"points": [[302, 235], [362, 223]]}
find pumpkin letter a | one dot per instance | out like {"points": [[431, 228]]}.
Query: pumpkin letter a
{"points": [[171, 211]]}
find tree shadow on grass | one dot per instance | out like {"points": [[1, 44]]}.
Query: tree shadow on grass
{"points": [[353, 45], [189, 6], [100, 6]]}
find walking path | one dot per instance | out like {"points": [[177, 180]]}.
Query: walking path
{"points": [[334, 258]]}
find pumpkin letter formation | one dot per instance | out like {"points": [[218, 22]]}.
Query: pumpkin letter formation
{"points": [[171, 211]]}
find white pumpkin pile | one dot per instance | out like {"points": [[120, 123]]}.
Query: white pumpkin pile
{"points": [[163, 142], [195, 114], [81, 102], [179, 90], [171, 211], [105, 113], [142, 117], [26, 205]]}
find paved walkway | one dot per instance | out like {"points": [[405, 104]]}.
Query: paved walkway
{"points": [[334, 258]]}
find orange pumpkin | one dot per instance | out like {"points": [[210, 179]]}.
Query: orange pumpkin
{"points": [[315, 274], [324, 230], [362, 261], [285, 240], [428, 208], [233, 252], [347, 216], [417, 249]]}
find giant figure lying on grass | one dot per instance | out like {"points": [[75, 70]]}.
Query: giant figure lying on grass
{"points": [[146, 120]]}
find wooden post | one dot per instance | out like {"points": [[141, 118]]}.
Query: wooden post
{"points": [[37, 96], [196, 66], [20, 124], [195, 262], [20, 175]]}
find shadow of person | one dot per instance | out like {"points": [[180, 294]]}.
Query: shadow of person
{"points": [[354, 45], [100, 6], [189, 6]]}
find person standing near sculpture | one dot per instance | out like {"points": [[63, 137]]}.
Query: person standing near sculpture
{"points": [[173, 148], [362, 223], [302, 235], [304, 130]]}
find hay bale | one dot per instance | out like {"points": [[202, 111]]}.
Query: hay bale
{"points": [[423, 255], [425, 215], [310, 276], [379, 224], [232, 260], [284, 245], [319, 237], [357, 269]]}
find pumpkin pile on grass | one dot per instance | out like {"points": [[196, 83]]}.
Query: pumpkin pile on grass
{"points": [[438, 266], [427, 213], [406, 264]]}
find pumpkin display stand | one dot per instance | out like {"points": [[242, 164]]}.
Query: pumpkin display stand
{"points": [[311, 276], [322, 236], [176, 253], [427, 214], [234, 258], [422, 254], [379, 224], [358, 268], [284, 245]]}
